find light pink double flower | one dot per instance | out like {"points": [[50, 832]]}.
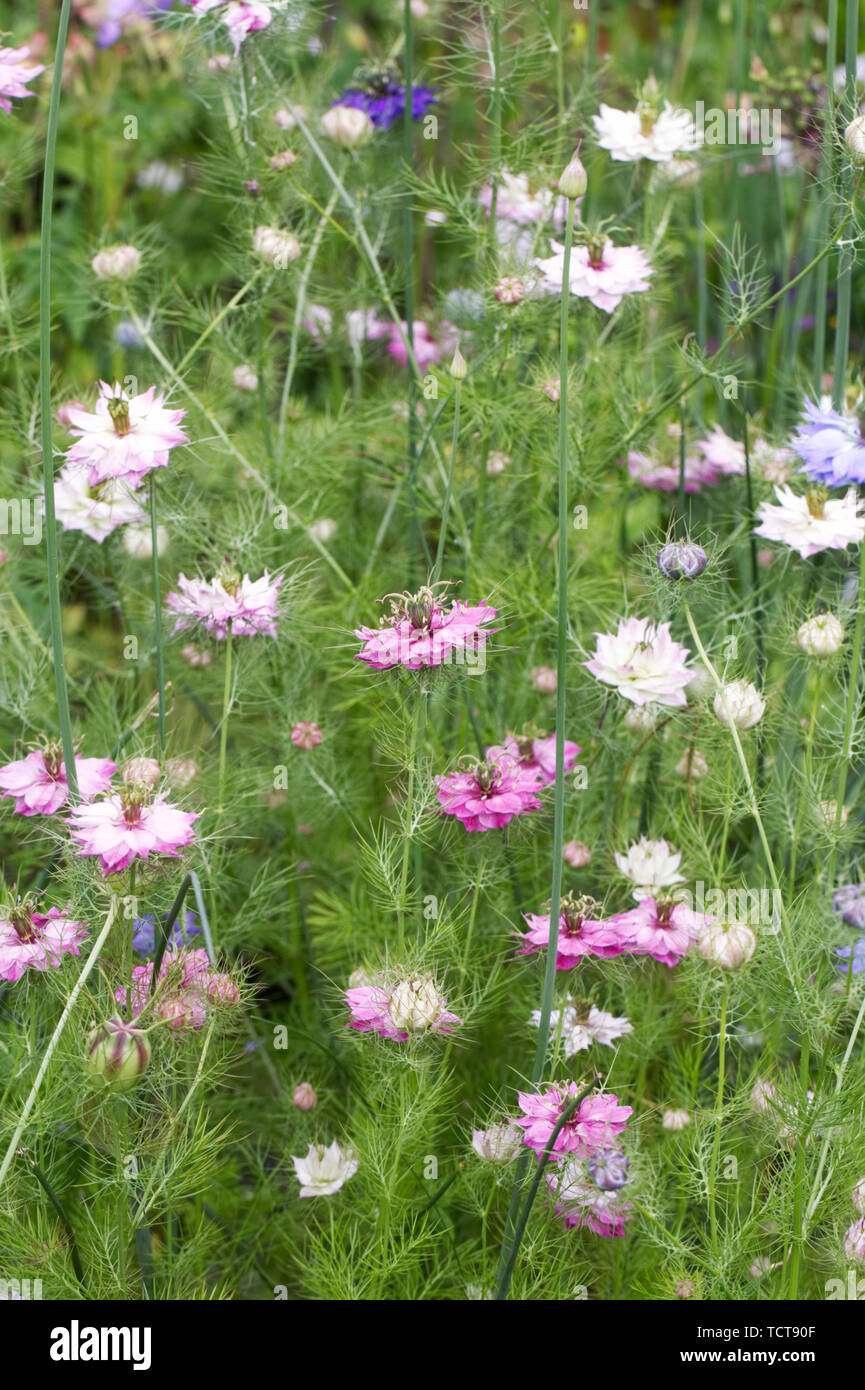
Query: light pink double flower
{"points": [[125, 437], [38, 782]]}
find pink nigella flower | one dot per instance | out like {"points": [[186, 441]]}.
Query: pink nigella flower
{"points": [[594, 1123], [664, 476], [396, 1010], [659, 929], [38, 782], [486, 796], [248, 605], [599, 271], [419, 632], [536, 754], [187, 988], [128, 826], [427, 349], [126, 436], [517, 201], [36, 940], [582, 1203], [97, 511], [580, 934], [643, 662], [15, 73], [306, 735]]}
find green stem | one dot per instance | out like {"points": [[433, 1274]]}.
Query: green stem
{"points": [[51, 549], [845, 254], [850, 714], [223, 724], [822, 284], [719, 1110], [157, 617], [443, 528]]}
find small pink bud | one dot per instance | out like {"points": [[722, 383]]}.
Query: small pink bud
{"points": [[509, 290], [305, 735], [575, 853], [145, 770], [304, 1097]]}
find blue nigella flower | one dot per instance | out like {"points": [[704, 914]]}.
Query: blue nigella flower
{"points": [[858, 953], [850, 902], [384, 102], [144, 933], [831, 446], [609, 1169]]}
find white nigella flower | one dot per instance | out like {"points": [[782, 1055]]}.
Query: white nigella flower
{"points": [[809, 522], [581, 1026], [646, 134], [96, 511], [415, 1004], [675, 1119], [822, 635], [651, 865], [739, 702], [728, 944], [324, 1170], [643, 662]]}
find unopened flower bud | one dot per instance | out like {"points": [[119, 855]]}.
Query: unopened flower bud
{"points": [[854, 1242], [304, 1096], [283, 160], [306, 735], [144, 770], [575, 853], [821, 635], [641, 719], [415, 1004], [685, 1288], [545, 679], [762, 1096], [459, 369], [728, 944], [497, 462], [854, 138], [274, 246], [323, 530], [675, 1119], [681, 560], [858, 1196], [692, 764], [117, 1054], [347, 126], [116, 263], [245, 377], [509, 290], [740, 703], [573, 182], [181, 771]]}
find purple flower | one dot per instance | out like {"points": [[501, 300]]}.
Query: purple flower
{"points": [[609, 1169], [850, 902], [144, 933], [116, 12], [384, 101], [831, 446], [858, 953]]}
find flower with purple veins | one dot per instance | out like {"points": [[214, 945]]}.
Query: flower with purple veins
{"points": [[856, 966], [831, 446], [850, 902], [144, 933], [382, 96]]}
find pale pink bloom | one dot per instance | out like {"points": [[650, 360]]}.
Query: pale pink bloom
{"points": [[582, 1203], [38, 782], [248, 605], [854, 1241], [187, 987], [575, 853], [536, 755], [126, 436], [97, 511], [809, 523], [545, 679], [305, 735], [516, 201], [498, 1144], [399, 1008], [30, 939], [488, 795], [122, 828], [594, 1123], [650, 864], [633, 135], [240, 18], [651, 472], [196, 656], [603, 275], [723, 453], [643, 662], [15, 73], [318, 320], [579, 935], [663, 931], [64, 409], [427, 349], [419, 632]]}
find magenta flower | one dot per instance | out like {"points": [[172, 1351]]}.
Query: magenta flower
{"points": [[38, 782], [536, 754], [659, 929], [15, 73], [248, 605], [126, 436], [579, 934], [486, 796], [419, 632], [599, 271], [595, 1122], [36, 940], [187, 989], [397, 1010], [128, 826]]}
